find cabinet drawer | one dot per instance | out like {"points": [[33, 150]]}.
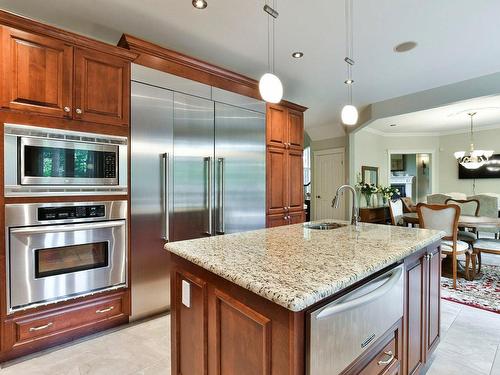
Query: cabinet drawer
{"points": [[385, 362], [46, 324]]}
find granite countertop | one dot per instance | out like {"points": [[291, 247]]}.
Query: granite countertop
{"points": [[296, 267]]}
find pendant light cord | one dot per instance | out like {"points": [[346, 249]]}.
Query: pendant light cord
{"points": [[271, 40], [349, 45], [275, 7]]}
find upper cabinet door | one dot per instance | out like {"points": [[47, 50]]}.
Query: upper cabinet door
{"points": [[295, 129], [276, 126], [37, 73], [102, 88]]}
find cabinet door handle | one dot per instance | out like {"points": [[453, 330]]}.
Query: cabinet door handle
{"points": [[78, 111], [39, 328], [67, 109], [390, 356], [102, 311]]}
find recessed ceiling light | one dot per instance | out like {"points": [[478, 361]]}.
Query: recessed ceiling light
{"points": [[405, 46], [392, 125], [297, 55], [349, 81], [200, 4]]}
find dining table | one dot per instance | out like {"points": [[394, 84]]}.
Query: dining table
{"points": [[466, 221]]}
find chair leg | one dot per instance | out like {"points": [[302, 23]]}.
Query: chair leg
{"points": [[467, 265], [454, 260], [473, 268], [479, 262]]}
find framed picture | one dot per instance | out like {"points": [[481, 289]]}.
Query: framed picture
{"points": [[397, 162]]}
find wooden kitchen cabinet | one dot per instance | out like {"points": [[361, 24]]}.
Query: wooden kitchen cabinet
{"points": [[422, 332], [54, 77], [37, 73], [102, 88], [285, 143]]}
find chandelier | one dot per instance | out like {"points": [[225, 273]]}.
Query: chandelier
{"points": [[473, 159]]}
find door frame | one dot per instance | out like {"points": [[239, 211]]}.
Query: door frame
{"points": [[337, 150], [434, 164]]}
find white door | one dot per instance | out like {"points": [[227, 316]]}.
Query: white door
{"points": [[328, 174]]}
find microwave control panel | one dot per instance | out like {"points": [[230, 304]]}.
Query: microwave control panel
{"points": [[109, 165], [70, 212]]}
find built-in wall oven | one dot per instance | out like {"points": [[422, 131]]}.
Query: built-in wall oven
{"points": [[40, 160], [58, 251]]}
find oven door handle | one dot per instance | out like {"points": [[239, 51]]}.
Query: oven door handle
{"points": [[68, 227]]}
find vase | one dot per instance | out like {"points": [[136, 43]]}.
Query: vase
{"points": [[368, 198], [384, 200]]}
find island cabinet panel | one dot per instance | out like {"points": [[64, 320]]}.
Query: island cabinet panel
{"points": [[422, 304], [102, 88], [248, 354], [242, 333], [37, 73], [189, 315]]}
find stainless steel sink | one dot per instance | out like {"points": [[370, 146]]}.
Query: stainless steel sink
{"points": [[324, 226]]}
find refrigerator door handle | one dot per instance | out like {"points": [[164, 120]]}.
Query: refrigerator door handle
{"points": [[209, 194], [221, 228], [166, 207]]}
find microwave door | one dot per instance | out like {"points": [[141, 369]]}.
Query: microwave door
{"points": [[54, 162]]}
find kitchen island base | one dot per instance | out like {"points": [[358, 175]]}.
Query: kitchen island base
{"points": [[221, 328]]}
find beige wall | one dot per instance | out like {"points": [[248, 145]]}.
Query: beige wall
{"points": [[373, 149], [448, 181]]}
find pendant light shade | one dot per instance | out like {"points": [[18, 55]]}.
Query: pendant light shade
{"points": [[349, 115], [270, 88]]}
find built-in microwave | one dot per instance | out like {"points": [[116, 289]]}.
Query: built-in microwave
{"points": [[40, 160]]}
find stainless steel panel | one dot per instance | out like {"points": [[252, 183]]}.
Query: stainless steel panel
{"points": [[347, 327], [193, 144], [237, 100], [169, 81], [26, 234], [152, 137], [240, 152]]}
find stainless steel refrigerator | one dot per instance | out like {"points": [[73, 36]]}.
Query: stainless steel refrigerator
{"points": [[197, 169]]}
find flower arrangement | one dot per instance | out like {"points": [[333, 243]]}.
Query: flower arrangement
{"points": [[367, 190], [387, 192]]}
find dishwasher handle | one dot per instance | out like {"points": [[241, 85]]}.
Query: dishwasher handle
{"points": [[393, 277]]}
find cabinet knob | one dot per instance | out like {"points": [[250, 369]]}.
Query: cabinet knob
{"points": [[67, 109], [79, 111]]}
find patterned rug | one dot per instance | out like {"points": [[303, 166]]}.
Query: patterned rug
{"points": [[483, 293]]}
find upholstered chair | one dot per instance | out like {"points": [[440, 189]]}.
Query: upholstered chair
{"points": [[488, 206], [437, 198], [396, 210], [445, 218], [408, 205]]}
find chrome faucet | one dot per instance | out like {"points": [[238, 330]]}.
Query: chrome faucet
{"points": [[355, 209]]}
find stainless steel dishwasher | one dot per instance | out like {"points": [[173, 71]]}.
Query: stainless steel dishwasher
{"points": [[345, 328]]}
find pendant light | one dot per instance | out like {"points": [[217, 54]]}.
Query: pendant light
{"points": [[473, 159], [270, 87], [349, 112]]}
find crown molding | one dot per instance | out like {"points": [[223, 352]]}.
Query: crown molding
{"points": [[432, 134]]}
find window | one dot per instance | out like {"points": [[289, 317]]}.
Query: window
{"points": [[307, 171]]}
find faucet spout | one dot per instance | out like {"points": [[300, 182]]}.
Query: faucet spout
{"points": [[355, 208]]}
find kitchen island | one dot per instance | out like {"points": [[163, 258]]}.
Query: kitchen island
{"points": [[248, 303]]}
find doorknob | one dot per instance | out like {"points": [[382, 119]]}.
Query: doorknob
{"points": [[318, 196]]}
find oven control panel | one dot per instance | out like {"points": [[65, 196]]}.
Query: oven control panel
{"points": [[70, 212]]}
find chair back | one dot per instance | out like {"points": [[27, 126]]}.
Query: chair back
{"points": [[440, 217], [488, 205], [396, 210], [456, 195], [437, 198], [408, 205], [468, 207]]}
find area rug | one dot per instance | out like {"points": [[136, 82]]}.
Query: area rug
{"points": [[483, 293]]}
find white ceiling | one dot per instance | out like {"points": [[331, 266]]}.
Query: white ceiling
{"points": [[448, 119], [456, 42]]}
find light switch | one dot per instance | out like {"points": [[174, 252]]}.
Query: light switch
{"points": [[186, 293]]}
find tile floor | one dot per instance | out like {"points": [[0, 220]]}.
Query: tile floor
{"points": [[470, 345]]}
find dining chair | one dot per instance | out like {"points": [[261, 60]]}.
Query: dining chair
{"points": [[445, 218], [408, 205], [396, 211], [437, 198], [488, 207]]}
